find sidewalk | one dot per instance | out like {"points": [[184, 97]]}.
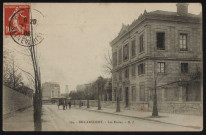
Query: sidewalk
{"points": [[20, 121], [23, 121], [191, 121]]}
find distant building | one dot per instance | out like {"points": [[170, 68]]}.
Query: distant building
{"points": [[50, 90], [162, 48], [66, 88]]}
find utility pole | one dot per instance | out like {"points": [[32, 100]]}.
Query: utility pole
{"points": [[37, 97]]}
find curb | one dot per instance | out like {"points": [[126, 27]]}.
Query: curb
{"points": [[194, 127]]}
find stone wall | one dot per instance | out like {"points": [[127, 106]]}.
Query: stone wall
{"points": [[194, 108], [14, 101], [140, 106], [112, 105]]}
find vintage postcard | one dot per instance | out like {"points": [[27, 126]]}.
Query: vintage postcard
{"points": [[102, 67]]}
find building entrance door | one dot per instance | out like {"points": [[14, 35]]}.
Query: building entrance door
{"points": [[127, 96]]}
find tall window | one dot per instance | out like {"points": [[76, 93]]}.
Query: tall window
{"points": [[126, 52], [133, 70], [171, 94], [126, 74], [120, 56], [142, 93], [133, 93], [133, 48], [184, 67], [193, 91], [160, 41], [114, 59], [141, 43], [161, 67], [141, 69], [183, 42], [52, 93]]}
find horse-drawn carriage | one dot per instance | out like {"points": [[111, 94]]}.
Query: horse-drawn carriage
{"points": [[63, 102]]}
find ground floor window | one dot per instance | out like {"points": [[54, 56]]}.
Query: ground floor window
{"points": [[52, 93], [142, 93], [172, 94], [158, 92], [133, 93], [110, 96], [193, 92]]}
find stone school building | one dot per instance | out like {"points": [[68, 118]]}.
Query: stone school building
{"points": [[164, 50]]}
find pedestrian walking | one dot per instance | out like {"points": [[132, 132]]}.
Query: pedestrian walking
{"points": [[66, 103], [70, 104]]}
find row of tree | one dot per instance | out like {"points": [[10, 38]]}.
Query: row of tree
{"points": [[90, 91], [12, 75]]}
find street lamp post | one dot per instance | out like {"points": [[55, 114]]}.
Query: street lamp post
{"points": [[155, 110], [99, 85], [118, 104], [87, 100]]}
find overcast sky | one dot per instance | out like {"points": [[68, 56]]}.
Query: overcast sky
{"points": [[77, 36]]}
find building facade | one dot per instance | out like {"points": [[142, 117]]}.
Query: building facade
{"points": [[50, 90], [161, 50]]}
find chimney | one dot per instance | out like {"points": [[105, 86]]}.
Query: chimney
{"points": [[182, 9]]}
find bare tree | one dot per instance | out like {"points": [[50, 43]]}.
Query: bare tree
{"points": [[108, 62], [11, 76], [6, 64]]}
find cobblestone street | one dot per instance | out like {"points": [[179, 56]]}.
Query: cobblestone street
{"points": [[55, 119]]}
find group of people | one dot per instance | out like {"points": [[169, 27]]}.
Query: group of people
{"points": [[64, 103]]}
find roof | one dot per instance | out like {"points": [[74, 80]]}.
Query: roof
{"points": [[157, 13], [51, 84], [169, 13]]}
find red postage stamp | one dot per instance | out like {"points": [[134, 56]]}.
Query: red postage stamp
{"points": [[17, 20]]}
